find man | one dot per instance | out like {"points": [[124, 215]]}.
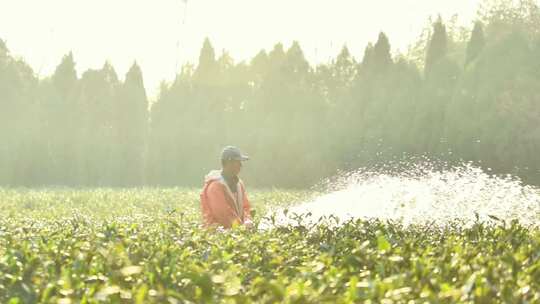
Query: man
{"points": [[223, 199]]}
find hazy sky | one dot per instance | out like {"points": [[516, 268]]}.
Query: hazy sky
{"points": [[163, 34]]}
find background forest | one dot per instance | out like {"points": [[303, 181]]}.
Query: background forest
{"points": [[458, 94]]}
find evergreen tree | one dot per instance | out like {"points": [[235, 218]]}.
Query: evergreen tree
{"points": [[96, 148], [381, 53], [65, 76], [20, 123], [338, 80], [369, 57], [132, 124], [476, 43], [276, 57], [172, 122], [296, 63], [63, 118], [345, 66], [437, 47], [259, 67], [207, 69]]}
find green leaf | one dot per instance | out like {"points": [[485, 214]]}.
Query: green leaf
{"points": [[382, 243]]}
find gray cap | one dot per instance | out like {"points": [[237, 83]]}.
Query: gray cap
{"points": [[233, 153]]}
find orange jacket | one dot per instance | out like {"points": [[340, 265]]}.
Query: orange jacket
{"points": [[220, 206]]}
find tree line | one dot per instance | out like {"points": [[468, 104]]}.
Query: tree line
{"points": [[457, 95]]}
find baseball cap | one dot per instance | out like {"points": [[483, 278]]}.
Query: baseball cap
{"points": [[233, 153]]}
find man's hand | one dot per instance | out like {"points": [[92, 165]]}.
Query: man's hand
{"points": [[249, 224]]}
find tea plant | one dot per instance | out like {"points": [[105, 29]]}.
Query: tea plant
{"points": [[147, 246]]}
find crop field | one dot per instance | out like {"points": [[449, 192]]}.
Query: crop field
{"points": [[147, 246]]}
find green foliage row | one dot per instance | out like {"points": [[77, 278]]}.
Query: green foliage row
{"points": [[146, 246], [458, 94]]}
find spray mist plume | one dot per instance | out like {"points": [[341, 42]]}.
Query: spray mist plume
{"points": [[420, 194]]}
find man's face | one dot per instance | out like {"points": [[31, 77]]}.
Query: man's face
{"points": [[233, 166]]}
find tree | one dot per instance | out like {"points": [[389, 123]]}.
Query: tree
{"points": [[65, 75], [96, 145], [476, 43], [20, 123], [62, 116], [272, 84], [172, 131], [132, 123], [437, 47], [295, 62], [337, 78], [381, 53], [369, 57], [504, 17], [205, 73], [259, 67]]}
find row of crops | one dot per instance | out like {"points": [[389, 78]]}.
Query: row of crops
{"points": [[146, 246]]}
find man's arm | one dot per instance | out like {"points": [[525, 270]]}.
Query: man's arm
{"points": [[222, 212]]}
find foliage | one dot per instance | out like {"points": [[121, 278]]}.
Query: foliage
{"points": [[459, 94], [146, 246]]}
